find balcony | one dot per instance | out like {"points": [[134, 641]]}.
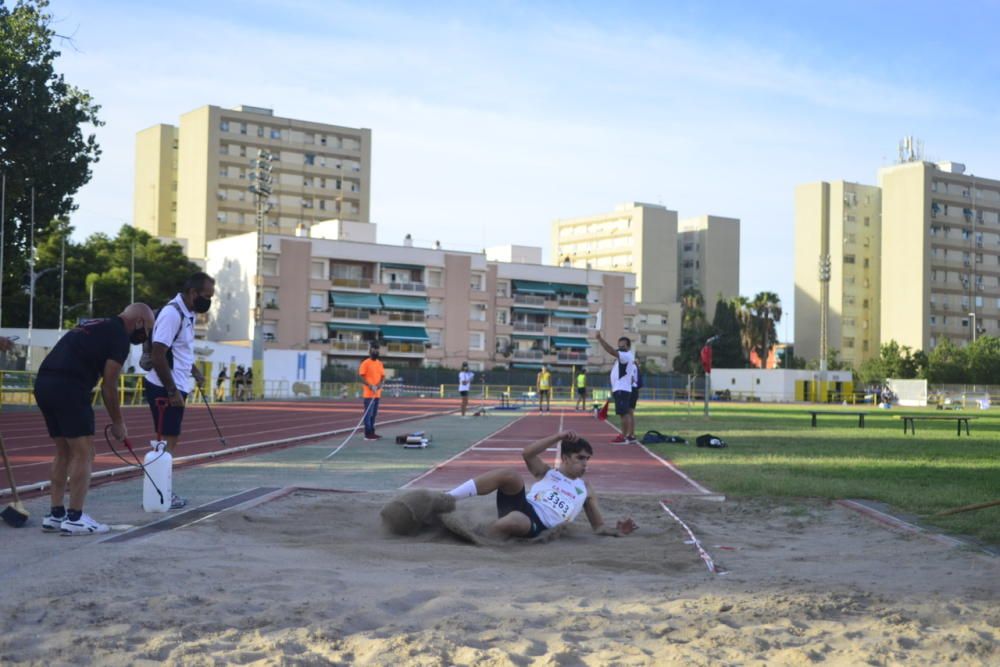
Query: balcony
{"points": [[404, 348], [408, 287], [571, 356], [529, 327], [571, 329], [529, 300], [361, 346], [527, 355], [404, 316], [352, 283], [572, 302], [349, 314]]}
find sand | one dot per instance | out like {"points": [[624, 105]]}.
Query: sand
{"points": [[312, 579]]}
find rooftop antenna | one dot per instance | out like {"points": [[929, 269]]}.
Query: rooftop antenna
{"points": [[910, 150]]}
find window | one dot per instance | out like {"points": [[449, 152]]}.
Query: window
{"points": [[848, 259], [476, 341], [309, 158], [477, 312], [275, 134], [434, 337], [317, 301], [260, 130], [269, 266], [502, 316], [270, 298], [477, 282], [243, 128], [224, 125]]}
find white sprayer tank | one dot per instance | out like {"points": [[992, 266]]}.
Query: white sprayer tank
{"points": [[159, 467]]}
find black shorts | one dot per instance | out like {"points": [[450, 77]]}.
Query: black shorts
{"points": [[543, 393], [519, 503], [581, 392], [463, 394], [66, 406], [634, 399], [623, 402], [172, 416]]}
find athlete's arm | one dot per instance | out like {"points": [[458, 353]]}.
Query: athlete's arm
{"points": [[622, 528], [109, 392], [532, 453], [606, 345]]}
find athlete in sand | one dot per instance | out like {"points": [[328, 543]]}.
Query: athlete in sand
{"points": [[552, 501]]}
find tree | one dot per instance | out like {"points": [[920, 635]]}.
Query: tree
{"points": [[694, 331], [984, 360], [728, 350], [947, 363], [42, 145], [105, 263], [741, 306], [894, 361], [765, 310], [833, 361]]}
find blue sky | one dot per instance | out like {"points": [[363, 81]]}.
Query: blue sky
{"points": [[490, 120]]}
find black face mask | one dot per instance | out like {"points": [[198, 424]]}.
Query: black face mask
{"points": [[138, 337], [202, 304], [373, 355]]}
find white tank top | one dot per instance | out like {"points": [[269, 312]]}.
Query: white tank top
{"points": [[556, 498]]}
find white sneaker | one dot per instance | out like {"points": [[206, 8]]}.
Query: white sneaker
{"points": [[83, 526], [51, 524]]}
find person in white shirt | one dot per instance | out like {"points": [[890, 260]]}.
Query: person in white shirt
{"points": [[554, 500], [624, 376], [465, 377], [174, 373]]}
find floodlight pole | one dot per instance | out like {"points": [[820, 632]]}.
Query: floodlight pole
{"points": [[261, 189]]}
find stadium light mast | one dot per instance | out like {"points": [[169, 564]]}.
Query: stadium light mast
{"points": [[261, 189]]}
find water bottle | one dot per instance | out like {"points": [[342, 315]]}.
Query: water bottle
{"points": [[159, 469]]}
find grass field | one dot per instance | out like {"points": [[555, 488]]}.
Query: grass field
{"points": [[773, 451]]}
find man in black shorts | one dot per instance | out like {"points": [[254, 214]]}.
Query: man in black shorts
{"points": [[555, 499], [95, 349]]}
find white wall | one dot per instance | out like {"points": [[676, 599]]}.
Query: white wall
{"points": [[768, 384]]}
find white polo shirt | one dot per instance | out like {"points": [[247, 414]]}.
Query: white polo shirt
{"points": [[168, 321], [465, 380], [624, 381]]}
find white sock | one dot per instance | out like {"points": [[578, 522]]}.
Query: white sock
{"points": [[465, 490]]}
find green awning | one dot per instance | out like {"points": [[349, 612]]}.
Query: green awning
{"points": [[337, 326], [392, 332], [533, 287], [533, 311], [574, 316], [408, 267], [566, 288], [533, 367], [528, 334], [393, 302], [577, 343], [351, 300]]}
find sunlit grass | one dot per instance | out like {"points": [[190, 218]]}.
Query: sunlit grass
{"points": [[773, 451]]}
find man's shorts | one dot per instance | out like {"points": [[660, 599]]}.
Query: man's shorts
{"points": [[172, 416], [634, 399], [463, 393], [581, 392], [519, 503], [623, 402], [543, 393], [65, 405]]}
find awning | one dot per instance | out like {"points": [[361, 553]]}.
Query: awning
{"points": [[577, 343], [528, 334], [567, 314], [532, 311], [533, 287], [337, 326], [566, 288], [533, 367], [393, 302], [351, 300], [391, 332], [407, 267]]}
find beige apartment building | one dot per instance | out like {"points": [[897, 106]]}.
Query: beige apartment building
{"points": [[842, 220], [337, 290], [941, 254], [191, 181], [647, 240], [915, 260]]}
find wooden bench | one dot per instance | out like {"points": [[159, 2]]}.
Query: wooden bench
{"points": [[908, 422], [860, 416]]}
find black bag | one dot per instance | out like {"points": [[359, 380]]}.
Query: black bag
{"points": [[655, 437], [146, 360], [709, 440]]}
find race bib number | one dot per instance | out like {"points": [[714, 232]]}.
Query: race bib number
{"points": [[554, 501]]}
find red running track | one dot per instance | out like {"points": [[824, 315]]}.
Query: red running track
{"points": [[30, 449], [620, 469]]}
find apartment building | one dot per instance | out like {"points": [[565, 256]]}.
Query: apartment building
{"points": [[940, 254], [191, 180], [708, 249], [647, 240], [427, 306], [844, 221]]}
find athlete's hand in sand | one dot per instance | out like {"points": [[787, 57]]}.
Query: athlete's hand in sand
{"points": [[624, 527]]}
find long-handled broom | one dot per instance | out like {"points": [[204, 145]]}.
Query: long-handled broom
{"points": [[14, 514]]}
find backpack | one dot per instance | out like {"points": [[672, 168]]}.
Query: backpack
{"points": [[655, 437], [709, 440], [146, 360]]}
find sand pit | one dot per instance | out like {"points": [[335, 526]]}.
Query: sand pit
{"points": [[313, 579]]}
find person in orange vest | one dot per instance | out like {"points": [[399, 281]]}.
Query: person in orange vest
{"points": [[372, 374]]}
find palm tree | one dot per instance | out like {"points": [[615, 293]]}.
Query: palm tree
{"points": [[765, 310], [693, 307], [741, 305]]}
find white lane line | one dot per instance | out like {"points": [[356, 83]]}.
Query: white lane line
{"points": [[443, 464]]}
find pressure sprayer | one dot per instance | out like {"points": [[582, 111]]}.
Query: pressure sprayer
{"points": [[157, 467]]}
